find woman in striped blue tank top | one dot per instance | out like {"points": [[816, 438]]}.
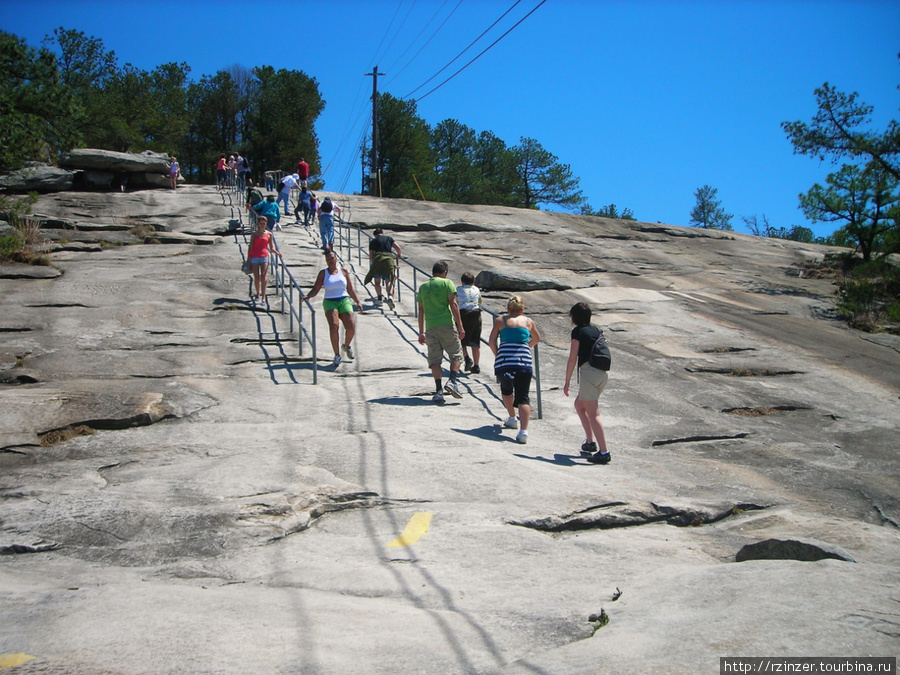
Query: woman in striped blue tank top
{"points": [[517, 334]]}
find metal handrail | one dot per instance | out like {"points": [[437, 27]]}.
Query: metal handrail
{"points": [[294, 311], [343, 240]]}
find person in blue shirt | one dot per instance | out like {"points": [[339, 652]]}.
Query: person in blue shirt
{"points": [[269, 208]]}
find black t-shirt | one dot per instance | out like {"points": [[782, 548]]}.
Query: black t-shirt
{"points": [[381, 244], [586, 336]]}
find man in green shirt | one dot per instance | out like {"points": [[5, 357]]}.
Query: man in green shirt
{"points": [[438, 309]]}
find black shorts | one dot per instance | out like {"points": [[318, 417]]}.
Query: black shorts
{"points": [[471, 323], [516, 384]]}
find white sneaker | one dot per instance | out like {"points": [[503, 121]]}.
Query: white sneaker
{"points": [[438, 397], [348, 351], [390, 302], [511, 423], [337, 360], [522, 437], [453, 389]]}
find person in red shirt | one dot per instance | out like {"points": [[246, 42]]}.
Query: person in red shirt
{"points": [[303, 172]]}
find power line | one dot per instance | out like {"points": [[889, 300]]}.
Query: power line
{"points": [[471, 44], [427, 42], [483, 51]]}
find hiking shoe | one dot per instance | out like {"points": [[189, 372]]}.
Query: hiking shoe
{"points": [[522, 437], [468, 365], [600, 458], [453, 389], [511, 423], [348, 351], [337, 360], [438, 397], [390, 302], [588, 449], [475, 369]]}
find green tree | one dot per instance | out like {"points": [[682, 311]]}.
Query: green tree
{"points": [[865, 200], [610, 211], [35, 109], [708, 212], [840, 129], [495, 167], [85, 68], [542, 179], [215, 104], [404, 149], [283, 110], [453, 148]]}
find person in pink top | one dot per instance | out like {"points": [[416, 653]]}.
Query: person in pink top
{"points": [[262, 244]]}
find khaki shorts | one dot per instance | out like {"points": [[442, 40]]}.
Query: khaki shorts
{"points": [[442, 339], [592, 382]]}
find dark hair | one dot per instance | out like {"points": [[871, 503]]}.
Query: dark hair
{"points": [[581, 314], [467, 278], [439, 268], [378, 231]]}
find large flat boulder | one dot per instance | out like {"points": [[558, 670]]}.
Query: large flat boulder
{"points": [[107, 160], [38, 178]]}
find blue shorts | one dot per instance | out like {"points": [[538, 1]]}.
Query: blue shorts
{"points": [[258, 261]]}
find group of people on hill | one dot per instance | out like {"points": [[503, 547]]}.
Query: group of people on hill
{"points": [[232, 171], [449, 323], [449, 318]]}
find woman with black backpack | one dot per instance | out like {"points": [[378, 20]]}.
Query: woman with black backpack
{"points": [[592, 381]]}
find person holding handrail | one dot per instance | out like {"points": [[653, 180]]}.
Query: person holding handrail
{"points": [[513, 363], [338, 309], [383, 265], [327, 211], [262, 245]]}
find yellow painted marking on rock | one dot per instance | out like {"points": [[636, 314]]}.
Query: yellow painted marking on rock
{"points": [[8, 661], [415, 529]]}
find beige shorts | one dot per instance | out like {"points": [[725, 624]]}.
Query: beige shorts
{"points": [[592, 382], [442, 339]]}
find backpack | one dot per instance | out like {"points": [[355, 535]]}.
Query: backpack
{"points": [[600, 357], [255, 197], [327, 206], [281, 185]]}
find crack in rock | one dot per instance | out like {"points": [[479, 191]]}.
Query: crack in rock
{"points": [[694, 439], [791, 549], [762, 411], [285, 514], [620, 514], [742, 372]]}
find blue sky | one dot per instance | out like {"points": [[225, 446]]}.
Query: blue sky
{"points": [[645, 100]]}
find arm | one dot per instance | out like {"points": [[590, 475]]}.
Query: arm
{"points": [[535, 335], [421, 314], [316, 287], [570, 364], [272, 248], [351, 291], [495, 332], [454, 309], [397, 248]]}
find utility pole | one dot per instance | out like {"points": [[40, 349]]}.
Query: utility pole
{"points": [[373, 173]]}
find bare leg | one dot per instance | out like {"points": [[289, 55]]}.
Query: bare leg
{"points": [[508, 404], [334, 325], [263, 279], [589, 414], [377, 287], [349, 327], [524, 415]]}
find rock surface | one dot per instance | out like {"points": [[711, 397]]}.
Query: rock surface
{"points": [[38, 178], [178, 496]]}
